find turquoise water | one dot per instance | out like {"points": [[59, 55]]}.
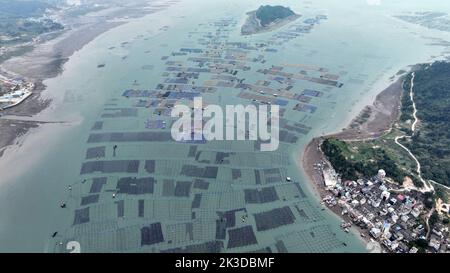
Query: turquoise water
{"points": [[361, 44]]}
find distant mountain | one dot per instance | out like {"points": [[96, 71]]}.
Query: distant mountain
{"points": [[22, 8]]}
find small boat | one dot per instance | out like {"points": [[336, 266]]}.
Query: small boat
{"points": [[54, 234], [63, 205]]}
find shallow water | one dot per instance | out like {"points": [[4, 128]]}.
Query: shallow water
{"points": [[362, 44]]}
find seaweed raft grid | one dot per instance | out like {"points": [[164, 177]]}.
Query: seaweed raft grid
{"points": [[139, 191]]}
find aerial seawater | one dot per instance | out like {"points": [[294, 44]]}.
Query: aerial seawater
{"points": [[360, 44]]}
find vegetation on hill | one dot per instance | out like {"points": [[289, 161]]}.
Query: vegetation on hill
{"points": [[362, 163], [431, 143], [269, 14]]}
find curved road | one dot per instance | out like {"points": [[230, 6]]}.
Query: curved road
{"points": [[426, 186]]}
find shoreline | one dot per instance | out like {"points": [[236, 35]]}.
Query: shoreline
{"points": [[45, 64], [383, 113], [46, 61]]}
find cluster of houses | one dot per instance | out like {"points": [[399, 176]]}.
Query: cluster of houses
{"points": [[383, 210]]}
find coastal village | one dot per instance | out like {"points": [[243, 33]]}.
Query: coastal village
{"points": [[384, 211], [402, 211]]}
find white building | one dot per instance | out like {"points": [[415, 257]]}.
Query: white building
{"points": [[385, 195], [381, 174], [375, 232]]}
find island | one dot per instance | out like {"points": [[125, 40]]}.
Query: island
{"points": [[267, 18]]}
